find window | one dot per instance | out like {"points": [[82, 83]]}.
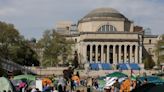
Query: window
{"points": [[150, 41], [107, 28], [75, 40]]}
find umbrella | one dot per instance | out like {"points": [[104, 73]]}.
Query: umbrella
{"points": [[76, 78], [117, 74], [46, 81], [25, 77]]}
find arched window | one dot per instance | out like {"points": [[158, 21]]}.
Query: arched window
{"points": [[149, 41], [107, 28]]}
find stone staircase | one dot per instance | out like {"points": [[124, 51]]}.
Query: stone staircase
{"points": [[12, 66]]}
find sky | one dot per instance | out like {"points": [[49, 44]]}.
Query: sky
{"points": [[33, 17]]}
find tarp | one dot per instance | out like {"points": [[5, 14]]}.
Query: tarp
{"points": [[6, 85]]}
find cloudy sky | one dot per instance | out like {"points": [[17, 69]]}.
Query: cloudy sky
{"points": [[33, 17]]}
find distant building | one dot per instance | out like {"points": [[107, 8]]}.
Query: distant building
{"points": [[105, 35]]}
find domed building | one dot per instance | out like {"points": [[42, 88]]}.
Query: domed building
{"points": [[105, 35]]}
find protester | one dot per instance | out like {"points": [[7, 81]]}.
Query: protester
{"points": [[145, 81], [72, 85], [60, 89], [116, 86], [54, 89]]}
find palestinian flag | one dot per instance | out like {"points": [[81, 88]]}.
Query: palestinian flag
{"points": [[133, 76]]}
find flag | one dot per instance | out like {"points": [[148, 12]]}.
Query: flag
{"points": [[133, 76]]}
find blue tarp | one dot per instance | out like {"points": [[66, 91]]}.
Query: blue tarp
{"points": [[122, 67], [94, 66], [134, 66], [106, 66]]}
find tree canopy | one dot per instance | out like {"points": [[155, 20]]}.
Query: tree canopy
{"points": [[14, 47], [55, 47], [148, 62], [160, 50]]}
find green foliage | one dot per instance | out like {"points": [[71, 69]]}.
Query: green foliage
{"points": [[149, 63], [14, 47], [160, 50], [54, 46]]}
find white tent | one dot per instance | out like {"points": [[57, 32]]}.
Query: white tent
{"points": [[6, 85]]}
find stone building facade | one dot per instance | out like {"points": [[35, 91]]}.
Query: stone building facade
{"points": [[105, 35]]}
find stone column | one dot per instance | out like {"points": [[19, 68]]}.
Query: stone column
{"points": [[102, 52], [107, 54], [130, 56], [91, 53], [114, 54], [119, 54], [84, 53], [96, 55], [136, 54], [140, 54], [125, 53]]}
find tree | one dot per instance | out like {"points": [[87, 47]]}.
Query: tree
{"points": [[9, 37], [13, 46], [160, 50], [148, 62], [55, 48], [25, 55]]}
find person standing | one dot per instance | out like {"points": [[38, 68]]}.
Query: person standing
{"points": [[116, 86]]}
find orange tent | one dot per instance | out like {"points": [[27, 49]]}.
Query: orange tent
{"points": [[76, 78], [46, 81], [125, 86]]}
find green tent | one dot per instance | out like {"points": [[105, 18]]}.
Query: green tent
{"points": [[6, 85], [117, 74], [25, 77], [102, 77], [101, 83]]}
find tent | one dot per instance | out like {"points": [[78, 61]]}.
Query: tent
{"points": [[125, 86], [110, 82], [25, 77], [6, 85], [117, 74], [46, 81]]}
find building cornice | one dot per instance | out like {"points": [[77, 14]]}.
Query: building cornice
{"points": [[110, 40]]}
